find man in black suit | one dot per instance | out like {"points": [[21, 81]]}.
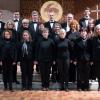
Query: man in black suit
{"points": [[50, 24], [34, 29], [66, 25], [84, 21], [2, 24], [17, 21], [34, 24]]}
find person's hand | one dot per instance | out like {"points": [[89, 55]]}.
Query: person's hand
{"points": [[91, 63], [14, 63], [74, 62], [1, 63], [35, 62]]}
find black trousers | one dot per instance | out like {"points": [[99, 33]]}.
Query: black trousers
{"points": [[72, 72], [45, 73], [63, 67], [15, 73], [83, 70], [55, 73], [97, 70], [27, 74], [7, 74]]}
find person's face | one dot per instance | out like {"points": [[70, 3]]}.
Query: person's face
{"points": [[83, 34], [73, 26], [35, 16], [25, 24], [26, 36], [87, 13], [41, 26], [69, 17], [91, 24], [16, 15], [51, 16], [10, 25], [57, 28], [7, 35], [45, 34], [62, 35], [98, 31]]}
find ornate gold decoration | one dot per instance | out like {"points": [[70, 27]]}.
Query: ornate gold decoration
{"points": [[51, 6]]}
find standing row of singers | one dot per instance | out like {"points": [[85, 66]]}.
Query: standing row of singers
{"points": [[75, 48]]}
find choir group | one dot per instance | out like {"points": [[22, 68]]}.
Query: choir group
{"points": [[62, 52]]}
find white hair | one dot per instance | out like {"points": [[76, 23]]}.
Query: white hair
{"points": [[62, 30], [25, 21], [97, 26]]}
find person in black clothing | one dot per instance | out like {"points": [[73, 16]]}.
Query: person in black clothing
{"points": [[50, 24], [82, 49], [66, 25], [17, 20], [95, 49], [26, 51], [55, 37], [84, 21], [44, 56], [34, 28], [63, 58], [8, 58], [90, 31], [72, 35], [24, 26], [10, 26]]}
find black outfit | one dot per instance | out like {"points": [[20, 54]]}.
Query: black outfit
{"points": [[17, 40], [55, 72], [34, 33], [65, 26], [33, 30], [44, 55], [95, 49], [72, 36], [82, 49], [8, 56], [2, 27], [82, 23], [21, 30], [26, 57], [63, 59], [97, 22], [48, 25]]}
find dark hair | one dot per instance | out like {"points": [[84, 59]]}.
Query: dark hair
{"points": [[10, 32]]}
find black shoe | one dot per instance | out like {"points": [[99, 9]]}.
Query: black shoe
{"points": [[23, 89], [62, 88], [11, 90], [66, 89]]}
